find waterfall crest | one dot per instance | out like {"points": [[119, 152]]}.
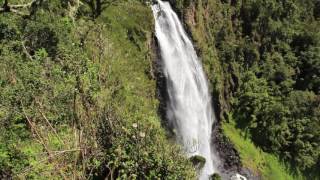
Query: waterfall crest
{"points": [[189, 107]]}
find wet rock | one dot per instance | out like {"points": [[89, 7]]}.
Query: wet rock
{"points": [[198, 161], [238, 177], [250, 174], [230, 158], [215, 176]]}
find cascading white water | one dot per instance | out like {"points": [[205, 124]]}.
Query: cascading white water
{"points": [[189, 107]]}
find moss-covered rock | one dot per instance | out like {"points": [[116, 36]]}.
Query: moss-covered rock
{"points": [[215, 176], [198, 161]]}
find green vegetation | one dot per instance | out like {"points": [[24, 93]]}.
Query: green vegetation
{"points": [[262, 59], [215, 176], [253, 158], [77, 97], [78, 93], [198, 161]]}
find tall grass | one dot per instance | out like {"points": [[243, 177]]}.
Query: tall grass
{"points": [[266, 165]]}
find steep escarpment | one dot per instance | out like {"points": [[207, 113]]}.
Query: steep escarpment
{"points": [[256, 54]]}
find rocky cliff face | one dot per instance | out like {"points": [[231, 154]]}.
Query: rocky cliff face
{"points": [[195, 18], [205, 21]]}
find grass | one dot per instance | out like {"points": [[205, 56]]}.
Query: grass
{"points": [[261, 163], [129, 61]]}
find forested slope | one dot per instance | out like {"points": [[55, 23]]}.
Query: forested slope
{"points": [[78, 97], [263, 59], [78, 94]]}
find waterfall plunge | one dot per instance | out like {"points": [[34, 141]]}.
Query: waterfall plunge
{"points": [[189, 106]]}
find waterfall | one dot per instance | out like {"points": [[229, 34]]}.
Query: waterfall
{"points": [[189, 107]]}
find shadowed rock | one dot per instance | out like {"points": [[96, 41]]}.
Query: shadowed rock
{"points": [[198, 161]]}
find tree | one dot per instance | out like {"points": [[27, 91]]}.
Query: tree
{"points": [[97, 6], [304, 126]]}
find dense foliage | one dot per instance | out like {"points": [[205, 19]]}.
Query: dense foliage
{"points": [[263, 59], [77, 87], [77, 97], [278, 97]]}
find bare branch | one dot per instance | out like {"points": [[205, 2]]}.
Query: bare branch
{"points": [[55, 155], [7, 7], [18, 12], [48, 122], [26, 51], [35, 130], [22, 5]]}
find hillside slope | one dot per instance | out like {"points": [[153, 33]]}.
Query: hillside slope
{"points": [[79, 98], [262, 59]]}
